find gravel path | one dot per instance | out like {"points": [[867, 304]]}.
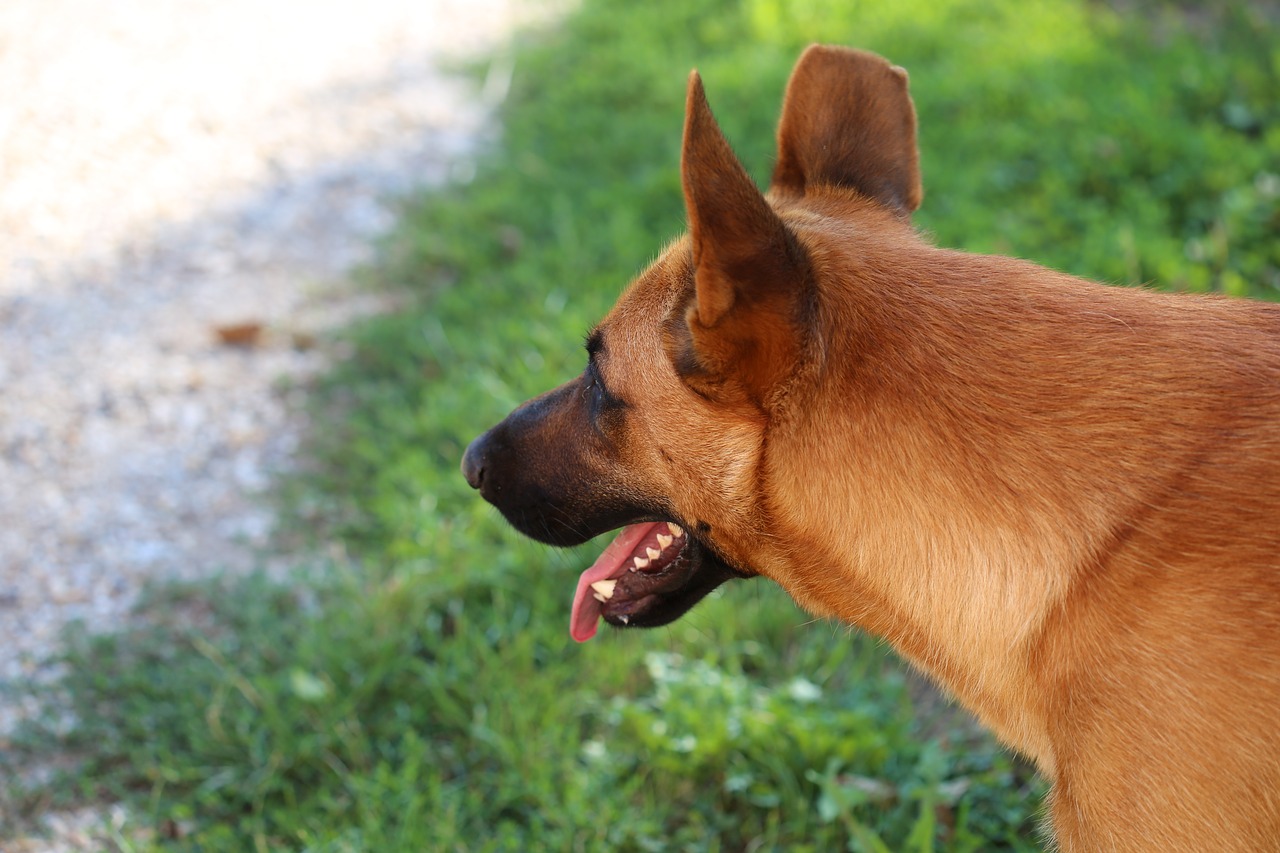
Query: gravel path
{"points": [[167, 171]]}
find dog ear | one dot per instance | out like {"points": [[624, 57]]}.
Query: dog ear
{"points": [[738, 330], [848, 120]]}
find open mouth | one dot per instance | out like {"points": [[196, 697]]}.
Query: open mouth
{"points": [[650, 574]]}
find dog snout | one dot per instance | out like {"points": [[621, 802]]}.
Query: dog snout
{"points": [[473, 461]]}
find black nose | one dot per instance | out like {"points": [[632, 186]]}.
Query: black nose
{"points": [[473, 462]]}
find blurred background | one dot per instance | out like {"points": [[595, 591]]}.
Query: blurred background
{"points": [[266, 268]]}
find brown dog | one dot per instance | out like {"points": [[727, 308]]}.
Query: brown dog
{"points": [[1060, 499]]}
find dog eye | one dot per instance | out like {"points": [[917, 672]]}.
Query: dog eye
{"points": [[593, 392], [597, 396]]}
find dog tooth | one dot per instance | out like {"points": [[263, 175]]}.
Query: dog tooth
{"points": [[598, 597], [604, 588], [653, 553], [664, 542], [676, 530], [624, 618], [641, 563]]}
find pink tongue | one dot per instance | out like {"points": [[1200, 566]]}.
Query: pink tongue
{"points": [[610, 564]]}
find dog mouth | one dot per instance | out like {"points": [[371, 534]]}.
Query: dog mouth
{"points": [[650, 574]]}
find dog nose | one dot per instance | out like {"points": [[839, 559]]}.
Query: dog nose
{"points": [[473, 463]]}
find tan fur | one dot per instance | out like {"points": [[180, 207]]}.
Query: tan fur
{"points": [[1058, 498]]}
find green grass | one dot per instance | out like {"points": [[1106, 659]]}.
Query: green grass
{"points": [[419, 691]]}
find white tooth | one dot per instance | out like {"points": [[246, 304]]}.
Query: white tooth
{"points": [[641, 563], [653, 553], [676, 530], [625, 619], [664, 542], [604, 588], [598, 597]]}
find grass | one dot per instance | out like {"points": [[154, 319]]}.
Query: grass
{"points": [[417, 689]]}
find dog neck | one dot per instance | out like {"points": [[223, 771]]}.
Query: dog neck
{"points": [[969, 449]]}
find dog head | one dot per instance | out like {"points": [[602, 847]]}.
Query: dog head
{"points": [[666, 433]]}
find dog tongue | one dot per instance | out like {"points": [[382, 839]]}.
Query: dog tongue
{"points": [[610, 564]]}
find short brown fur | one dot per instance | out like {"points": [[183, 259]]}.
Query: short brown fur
{"points": [[1059, 499]]}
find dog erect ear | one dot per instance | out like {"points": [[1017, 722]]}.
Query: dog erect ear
{"points": [[847, 120], [739, 330]]}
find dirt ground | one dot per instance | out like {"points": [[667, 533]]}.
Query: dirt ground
{"points": [[184, 188]]}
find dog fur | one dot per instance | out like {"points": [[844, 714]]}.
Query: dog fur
{"points": [[1059, 499]]}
